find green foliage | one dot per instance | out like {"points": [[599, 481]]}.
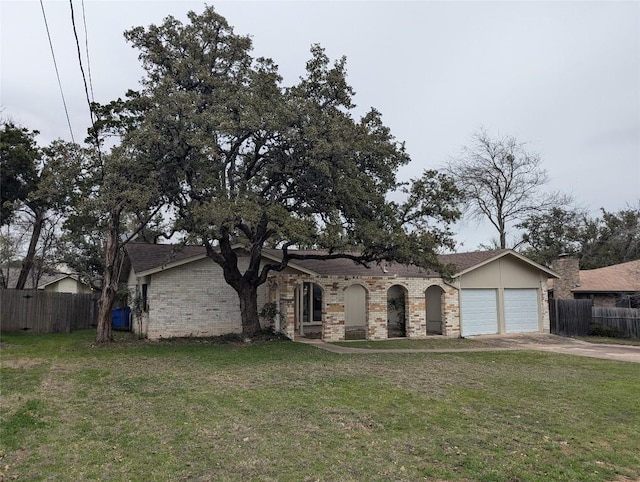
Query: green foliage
{"points": [[35, 197], [269, 312], [596, 329], [250, 161], [19, 155], [612, 238], [547, 235]]}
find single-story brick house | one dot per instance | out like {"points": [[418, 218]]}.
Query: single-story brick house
{"points": [[615, 285], [181, 292]]}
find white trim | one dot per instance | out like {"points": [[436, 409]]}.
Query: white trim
{"points": [[551, 273], [173, 264]]}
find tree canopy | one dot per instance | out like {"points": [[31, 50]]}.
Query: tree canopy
{"points": [[19, 154], [259, 164], [33, 194], [611, 238], [502, 182]]}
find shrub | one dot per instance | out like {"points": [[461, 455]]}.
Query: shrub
{"points": [[596, 329]]}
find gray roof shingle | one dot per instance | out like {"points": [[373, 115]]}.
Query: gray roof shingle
{"points": [[146, 256]]}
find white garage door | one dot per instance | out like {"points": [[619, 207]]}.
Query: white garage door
{"points": [[479, 312], [521, 310]]}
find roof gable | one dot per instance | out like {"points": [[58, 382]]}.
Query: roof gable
{"points": [[147, 258], [471, 261]]}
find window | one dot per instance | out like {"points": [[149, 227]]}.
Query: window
{"points": [[145, 299], [311, 303]]}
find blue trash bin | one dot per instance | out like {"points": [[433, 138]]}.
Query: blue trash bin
{"points": [[120, 319]]}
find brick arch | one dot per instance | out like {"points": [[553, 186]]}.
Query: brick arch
{"points": [[356, 310], [434, 309], [357, 283]]}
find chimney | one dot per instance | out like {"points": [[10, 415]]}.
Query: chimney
{"points": [[569, 271]]}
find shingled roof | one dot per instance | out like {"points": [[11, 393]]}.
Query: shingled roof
{"points": [[347, 267], [145, 257], [624, 277]]}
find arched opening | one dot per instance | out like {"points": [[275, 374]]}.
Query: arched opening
{"points": [[355, 312], [309, 310], [433, 299], [396, 311]]}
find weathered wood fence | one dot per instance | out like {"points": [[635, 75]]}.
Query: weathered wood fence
{"points": [[570, 317], [39, 311], [580, 318], [624, 321]]}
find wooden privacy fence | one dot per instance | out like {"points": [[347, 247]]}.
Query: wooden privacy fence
{"points": [[570, 317], [41, 311], [625, 321], [580, 318]]}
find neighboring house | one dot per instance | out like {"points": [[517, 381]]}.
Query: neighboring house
{"points": [[616, 285], [63, 283], [60, 282], [178, 292]]}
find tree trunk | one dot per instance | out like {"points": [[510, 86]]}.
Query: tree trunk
{"points": [[249, 311], [109, 279], [31, 252]]}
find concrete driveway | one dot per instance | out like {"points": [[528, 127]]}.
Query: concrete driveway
{"points": [[567, 346], [540, 342]]}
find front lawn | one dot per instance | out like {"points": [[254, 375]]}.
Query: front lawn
{"points": [[281, 411]]}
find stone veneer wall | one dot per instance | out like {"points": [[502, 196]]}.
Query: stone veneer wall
{"points": [[281, 289], [544, 307], [569, 271]]}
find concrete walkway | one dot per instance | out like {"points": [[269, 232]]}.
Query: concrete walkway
{"points": [[540, 342]]}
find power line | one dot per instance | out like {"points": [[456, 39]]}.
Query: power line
{"points": [[92, 114], [55, 64], [84, 78], [86, 48]]}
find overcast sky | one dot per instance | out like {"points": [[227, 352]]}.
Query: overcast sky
{"points": [[563, 76]]}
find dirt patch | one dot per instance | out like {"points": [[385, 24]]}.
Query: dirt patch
{"points": [[21, 363]]}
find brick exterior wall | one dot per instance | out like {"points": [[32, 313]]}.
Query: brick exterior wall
{"points": [[192, 300], [282, 290]]}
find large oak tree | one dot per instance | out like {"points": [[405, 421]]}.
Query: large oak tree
{"points": [[262, 165]]}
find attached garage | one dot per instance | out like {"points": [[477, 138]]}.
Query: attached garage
{"points": [[479, 312], [521, 310], [503, 294]]}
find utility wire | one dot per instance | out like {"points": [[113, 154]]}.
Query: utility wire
{"points": [[55, 64], [86, 48], [92, 114], [84, 78]]}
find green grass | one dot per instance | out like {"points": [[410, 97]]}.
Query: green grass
{"points": [[267, 411]]}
